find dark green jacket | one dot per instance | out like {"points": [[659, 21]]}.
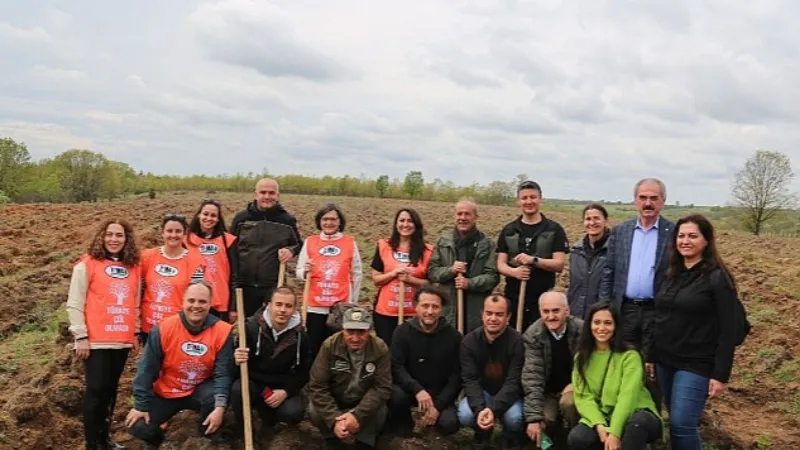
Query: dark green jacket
{"points": [[483, 277]]}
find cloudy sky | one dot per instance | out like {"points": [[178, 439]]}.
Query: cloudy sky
{"points": [[585, 96]]}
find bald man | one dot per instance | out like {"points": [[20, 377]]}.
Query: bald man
{"points": [[267, 235], [464, 258], [550, 344]]}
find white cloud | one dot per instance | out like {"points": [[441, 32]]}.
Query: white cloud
{"points": [[584, 96]]}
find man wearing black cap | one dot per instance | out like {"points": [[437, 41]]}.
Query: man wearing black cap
{"points": [[531, 248], [350, 383]]}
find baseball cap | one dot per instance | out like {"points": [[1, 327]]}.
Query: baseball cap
{"points": [[357, 318]]}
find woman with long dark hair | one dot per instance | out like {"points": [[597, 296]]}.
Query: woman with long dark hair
{"points": [[209, 236], [693, 336], [586, 261], [167, 271], [333, 264], [103, 307], [616, 409], [404, 257]]}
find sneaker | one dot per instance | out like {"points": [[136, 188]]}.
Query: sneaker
{"points": [[111, 445], [149, 446]]}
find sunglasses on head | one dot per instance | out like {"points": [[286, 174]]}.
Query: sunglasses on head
{"points": [[210, 201], [173, 216]]}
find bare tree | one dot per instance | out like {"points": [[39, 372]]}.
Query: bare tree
{"points": [[761, 188]]}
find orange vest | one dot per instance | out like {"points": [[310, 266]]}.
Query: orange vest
{"points": [[217, 266], [188, 359], [165, 282], [388, 295], [330, 274], [110, 311]]}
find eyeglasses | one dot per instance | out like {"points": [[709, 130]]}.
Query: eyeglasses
{"points": [[210, 201], [173, 216]]}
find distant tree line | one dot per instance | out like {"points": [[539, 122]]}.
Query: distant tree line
{"points": [[80, 175]]}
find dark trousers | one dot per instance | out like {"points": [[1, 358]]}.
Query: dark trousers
{"points": [[384, 326], [163, 409], [291, 411], [531, 312], [637, 321], [642, 428], [102, 369], [400, 405], [254, 298], [318, 331]]}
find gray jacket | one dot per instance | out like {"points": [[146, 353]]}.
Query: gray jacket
{"points": [[585, 276], [537, 368]]}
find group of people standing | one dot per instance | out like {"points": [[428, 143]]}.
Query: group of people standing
{"points": [[650, 305]]}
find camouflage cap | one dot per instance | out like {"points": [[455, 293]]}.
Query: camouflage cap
{"points": [[357, 318]]}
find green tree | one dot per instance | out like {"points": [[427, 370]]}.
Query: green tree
{"points": [[413, 183], [382, 185], [82, 174], [761, 188], [14, 159]]}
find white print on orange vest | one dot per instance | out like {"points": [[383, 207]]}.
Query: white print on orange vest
{"points": [[117, 310], [193, 372], [395, 304]]}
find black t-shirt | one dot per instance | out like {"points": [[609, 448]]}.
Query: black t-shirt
{"points": [[541, 280], [560, 364], [377, 262]]}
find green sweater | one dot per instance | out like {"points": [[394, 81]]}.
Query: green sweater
{"points": [[623, 394]]}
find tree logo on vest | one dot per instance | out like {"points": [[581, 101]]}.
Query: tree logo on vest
{"points": [[120, 291], [197, 349], [115, 271], [330, 268], [165, 270], [208, 249], [330, 250], [161, 289], [401, 257]]}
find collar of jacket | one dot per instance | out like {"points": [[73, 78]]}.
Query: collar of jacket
{"points": [[539, 329], [517, 224]]}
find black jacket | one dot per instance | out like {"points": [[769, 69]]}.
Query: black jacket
{"points": [[694, 323], [427, 361], [502, 359], [585, 275], [282, 364], [261, 233]]}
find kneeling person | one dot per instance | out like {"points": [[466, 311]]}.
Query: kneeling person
{"points": [[550, 344], [425, 366], [491, 362], [186, 365], [278, 357], [350, 383]]}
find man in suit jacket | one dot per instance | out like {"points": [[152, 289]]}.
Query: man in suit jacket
{"points": [[637, 260]]}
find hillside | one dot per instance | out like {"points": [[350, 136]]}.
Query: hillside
{"points": [[41, 385]]}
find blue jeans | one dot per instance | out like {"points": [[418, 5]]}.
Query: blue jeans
{"points": [[685, 395], [513, 419]]}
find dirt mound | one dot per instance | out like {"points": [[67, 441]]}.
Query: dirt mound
{"points": [[41, 384]]}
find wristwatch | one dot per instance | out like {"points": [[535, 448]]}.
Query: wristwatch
{"points": [[535, 260]]}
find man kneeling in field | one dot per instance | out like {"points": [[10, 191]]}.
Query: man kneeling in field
{"points": [[350, 383], [186, 365], [425, 366]]}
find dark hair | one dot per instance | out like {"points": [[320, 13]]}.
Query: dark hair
{"points": [[711, 258], [219, 228], [598, 207], [325, 209], [494, 298], [284, 290], [432, 289], [129, 255], [529, 185], [417, 239], [173, 217], [586, 342]]}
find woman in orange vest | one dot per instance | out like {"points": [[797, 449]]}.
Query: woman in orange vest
{"points": [[186, 364], [334, 263], [167, 272], [209, 236], [403, 257], [104, 317]]}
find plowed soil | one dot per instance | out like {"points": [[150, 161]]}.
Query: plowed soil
{"points": [[41, 385]]}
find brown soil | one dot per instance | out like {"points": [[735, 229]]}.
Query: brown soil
{"points": [[41, 385]]}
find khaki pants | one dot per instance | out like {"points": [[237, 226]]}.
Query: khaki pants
{"points": [[559, 410]]}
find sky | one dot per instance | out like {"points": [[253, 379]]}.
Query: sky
{"points": [[583, 96]]}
